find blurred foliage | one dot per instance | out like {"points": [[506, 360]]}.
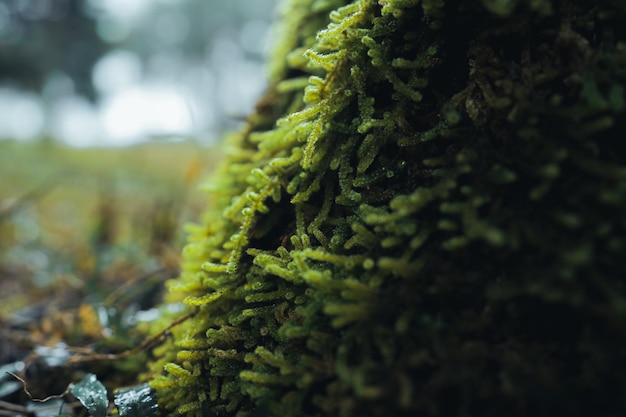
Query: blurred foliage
{"points": [[184, 28], [40, 37], [87, 237]]}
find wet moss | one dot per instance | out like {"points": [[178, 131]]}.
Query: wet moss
{"points": [[424, 216]]}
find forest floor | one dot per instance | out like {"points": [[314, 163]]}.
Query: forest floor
{"points": [[87, 239]]}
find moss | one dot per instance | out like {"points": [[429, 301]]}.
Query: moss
{"points": [[424, 216]]}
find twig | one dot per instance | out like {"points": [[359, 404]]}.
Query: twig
{"points": [[146, 343], [123, 290], [12, 413], [13, 407], [48, 398]]}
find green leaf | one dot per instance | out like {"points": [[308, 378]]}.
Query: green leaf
{"points": [[92, 394], [139, 401]]}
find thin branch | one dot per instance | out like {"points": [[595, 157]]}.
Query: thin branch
{"points": [[13, 407], [48, 398], [12, 413], [146, 343], [123, 290]]}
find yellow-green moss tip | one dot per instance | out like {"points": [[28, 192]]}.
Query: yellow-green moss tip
{"points": [[423, 216]]}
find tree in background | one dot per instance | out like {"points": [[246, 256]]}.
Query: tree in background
{"points": [[39, 37], [154, 57]]}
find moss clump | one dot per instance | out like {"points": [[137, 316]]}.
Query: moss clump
{"points": [[424, 216]]}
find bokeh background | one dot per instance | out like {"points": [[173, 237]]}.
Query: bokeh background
{"points": [[113, 72], [110, 116]]}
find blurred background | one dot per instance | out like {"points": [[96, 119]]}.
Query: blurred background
{"points": [[114, 72], [110, 111]]}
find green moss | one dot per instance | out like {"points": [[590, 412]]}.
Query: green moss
{"points": [[424, 216]]}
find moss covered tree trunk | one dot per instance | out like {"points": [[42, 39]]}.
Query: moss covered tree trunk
{"points": [[425, 216]]}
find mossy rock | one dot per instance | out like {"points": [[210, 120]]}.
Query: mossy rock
{"points": [[425, 216]]}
